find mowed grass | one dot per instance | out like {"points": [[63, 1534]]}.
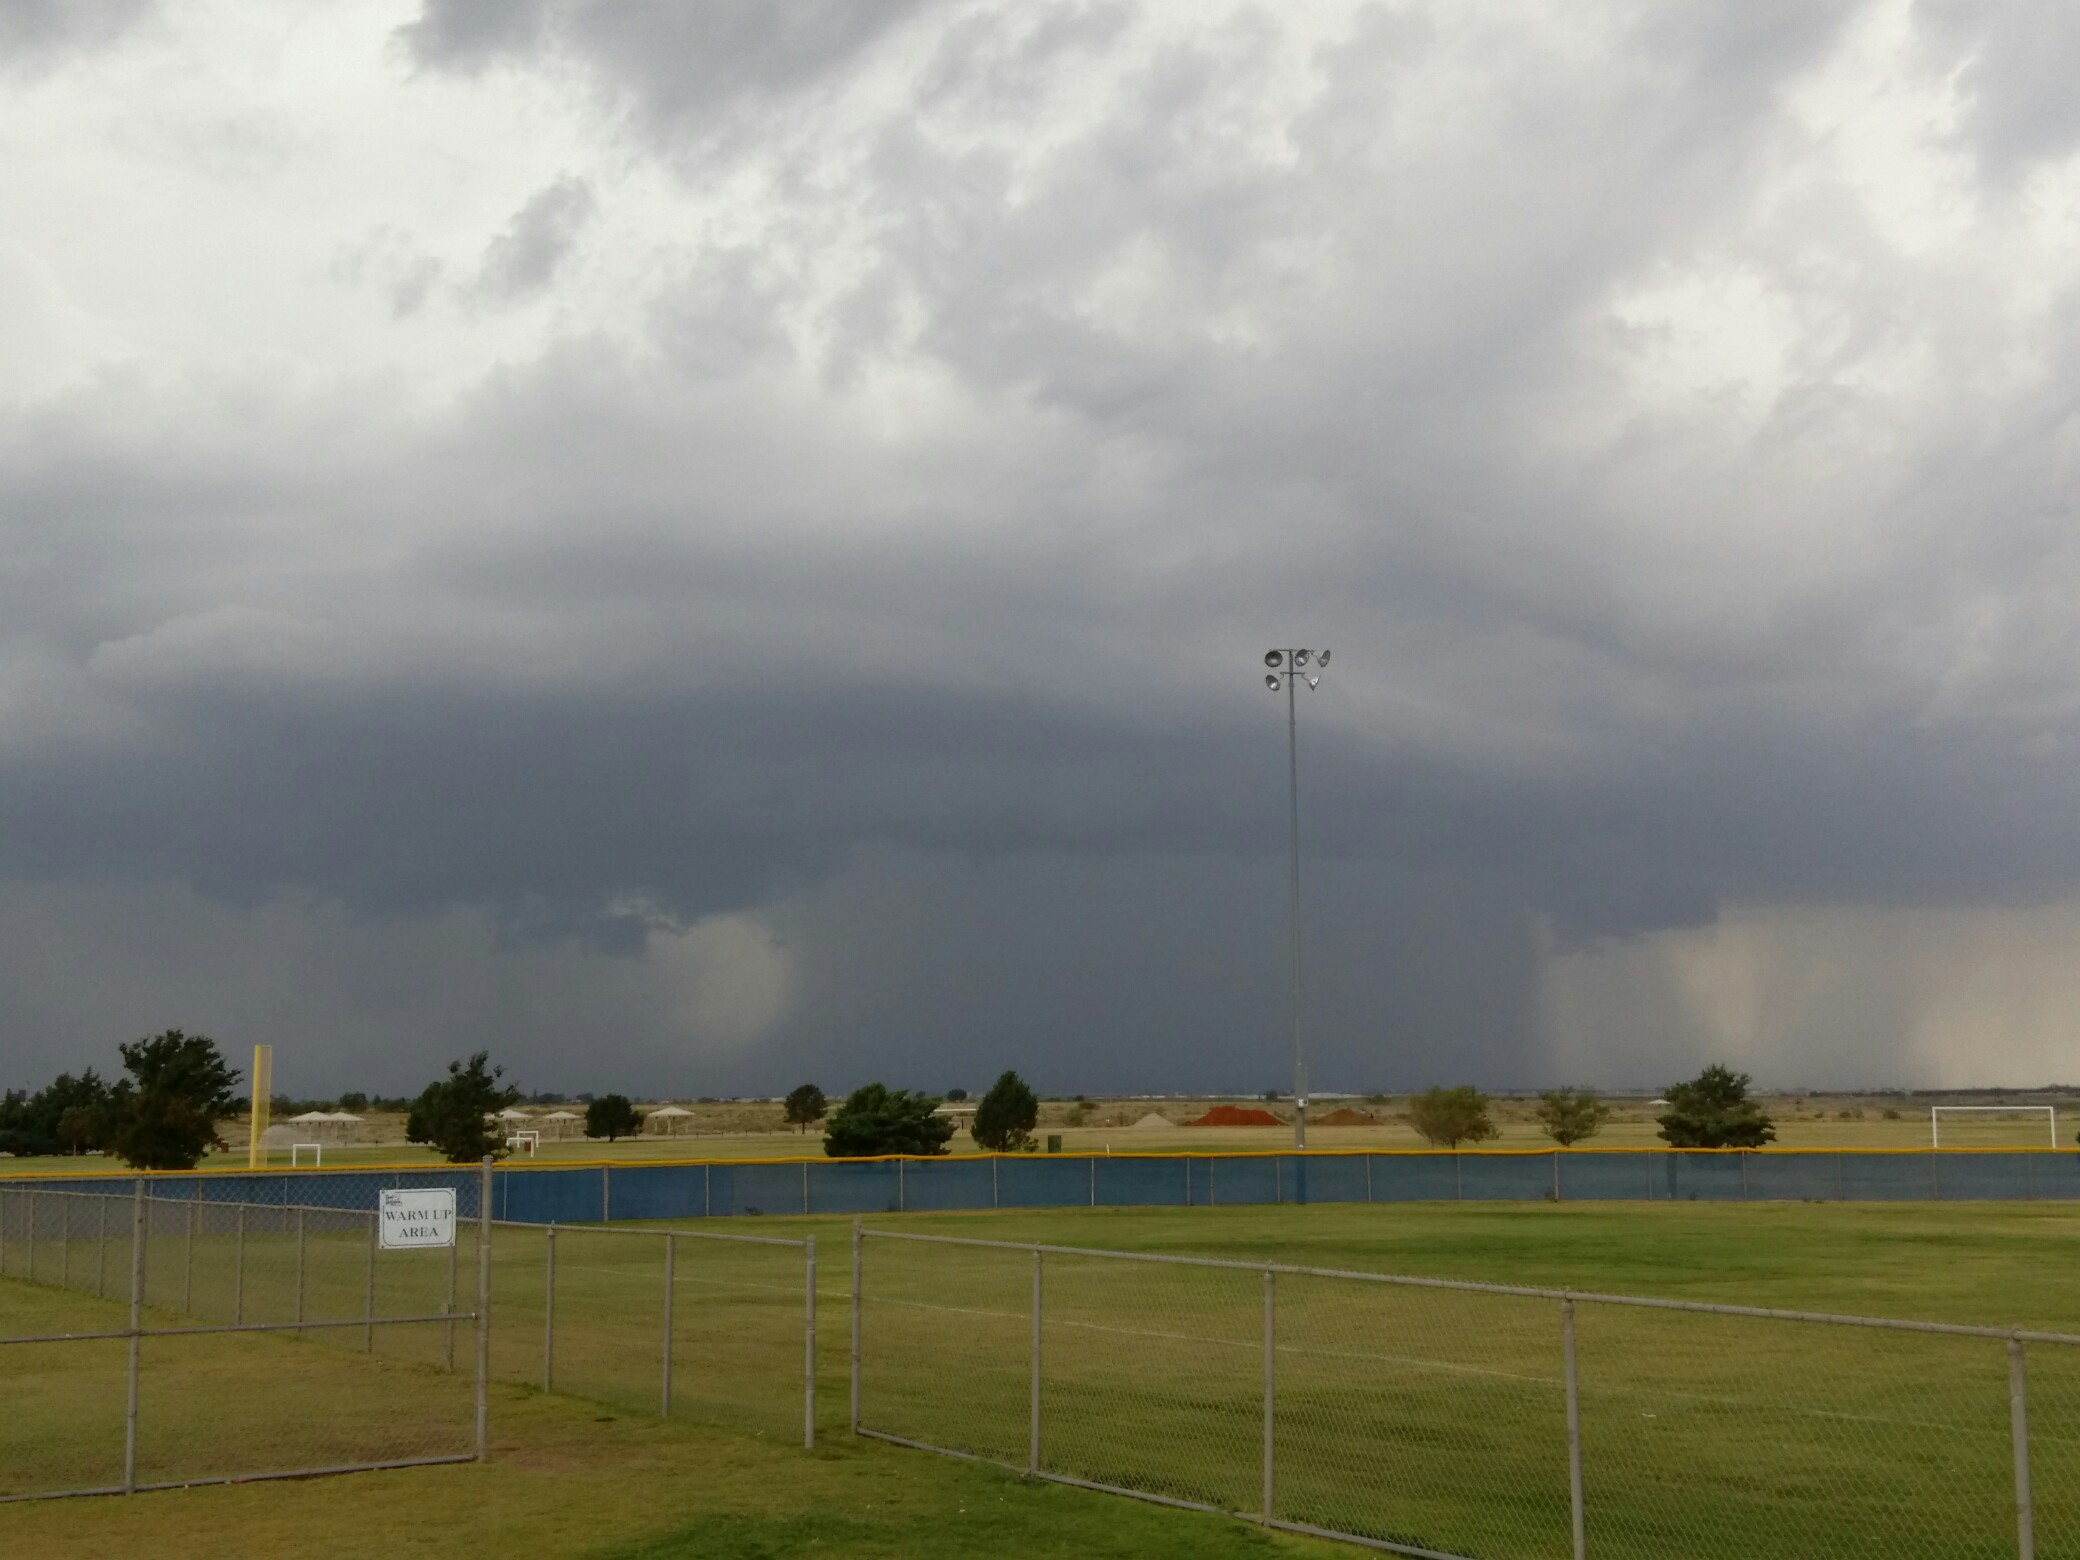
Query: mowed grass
{"points": [[1417, 1416]]}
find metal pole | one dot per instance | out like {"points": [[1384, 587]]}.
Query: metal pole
{"points": [[671, 1281], [454, 1252], [856, 1242], [238, 1271], [299, 1265], [1293, 808], [1574, 1429], [1270, 1383], [484, 1311], [136, 1334], [606, 1193], [65, 1243], [101, 1256], [2018, 1426], [188, 1259], [809, 1345], [368, 1286], [1033, 1398], [32, 1236], [805, 1187], [549, 1314]]}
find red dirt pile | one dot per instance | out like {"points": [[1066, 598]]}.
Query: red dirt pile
{"points": [[1236, 1116], [1344, 1116]]}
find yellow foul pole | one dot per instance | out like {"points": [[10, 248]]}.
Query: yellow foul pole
{"points": [[263, 1095]]}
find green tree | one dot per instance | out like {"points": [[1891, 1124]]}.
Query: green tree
{"points": [[68, 1115], [879, 1120], [1570, 1115], [611, 1116], [1449, 1117], [457, 1114], [805, 1104], [353, 1101], [1713, 1110], [163, 1116], [1005, 1118]]}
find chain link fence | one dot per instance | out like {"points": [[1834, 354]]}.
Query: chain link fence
{"points": [[1452, 1420], [216, 1329], [716, 1328], [150, 1341]]}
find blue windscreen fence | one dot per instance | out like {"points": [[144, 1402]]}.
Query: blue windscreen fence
{"points": [[583, 1194]]}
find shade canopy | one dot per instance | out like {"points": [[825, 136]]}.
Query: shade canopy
{"points": [[669, 1110], [563, 1115]]}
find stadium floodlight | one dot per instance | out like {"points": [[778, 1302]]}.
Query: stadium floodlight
{"points": [[1290, 661]]}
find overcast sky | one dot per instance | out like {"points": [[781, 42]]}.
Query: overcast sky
{"points": [[704, 546]]}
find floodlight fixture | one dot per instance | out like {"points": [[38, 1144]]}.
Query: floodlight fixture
{"points": [[1299, 657], [1271, 681], [1324, 658], [1274, 657]]}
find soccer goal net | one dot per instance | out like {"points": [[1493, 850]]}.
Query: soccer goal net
{"points": [[1993, 1126], [527, 1141], [298, 1150]]}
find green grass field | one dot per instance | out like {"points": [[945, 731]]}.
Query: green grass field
{"points": [[1418, 1416]]}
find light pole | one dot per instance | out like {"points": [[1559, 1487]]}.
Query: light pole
{"points": [[1288, 669]]}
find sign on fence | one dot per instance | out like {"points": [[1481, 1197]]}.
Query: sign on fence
{"points": [[416, 1217]]}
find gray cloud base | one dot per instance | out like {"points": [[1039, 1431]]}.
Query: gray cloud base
{"points": [[961, 706]]}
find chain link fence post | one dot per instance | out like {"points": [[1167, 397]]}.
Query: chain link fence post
{"points": [[1033, 1390], [1574, 1428], [549, 1311], [188, 1256], [857, 1240], [136, 1334], [1270, 1387], [238, 1271], [671, 1285], [301, 1221], [2018, 1430], [101, 1245], [368, 1285], [483, 1404], [809, 1343], [448, 1305]]}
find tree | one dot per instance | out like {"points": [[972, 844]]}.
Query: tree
{"points": [[806, 1104], [611, 1116], [1449, 1117], [880, 1120], [68, 1115], [1713, 1110], [164, 1115], [1005, 1119], [354, 1101], [955, 1096], [1569, 1115], [456, 1114]]}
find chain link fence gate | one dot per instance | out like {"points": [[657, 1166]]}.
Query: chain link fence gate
{"points": [[152, 1341], [1453, 1420]]}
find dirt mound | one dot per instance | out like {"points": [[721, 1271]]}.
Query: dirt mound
{"points": [[1155, 1118], [1344, 1116], [1236, 1116]]}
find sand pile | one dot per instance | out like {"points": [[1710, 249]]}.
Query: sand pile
{"points": [[1155, 1118], [1236, 1116], [1344, 1116]]}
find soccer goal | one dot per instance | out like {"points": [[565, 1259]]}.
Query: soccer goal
{"points": [[298, 1150], [1993, 1126], [530, 1141]]}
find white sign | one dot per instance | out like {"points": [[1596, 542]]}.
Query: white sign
{"points": [[418, 1217]]}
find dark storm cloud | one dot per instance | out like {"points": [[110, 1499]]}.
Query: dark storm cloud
{"points": [[901, 588], [679, 66], [2015, 64], [524, 259], [34, 33]]}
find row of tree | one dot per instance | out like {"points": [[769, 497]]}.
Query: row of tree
{"points": [[1712, 1110], [162, 1114]]}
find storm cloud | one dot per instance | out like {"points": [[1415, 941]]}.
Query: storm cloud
{"points": [[703, 547]]}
